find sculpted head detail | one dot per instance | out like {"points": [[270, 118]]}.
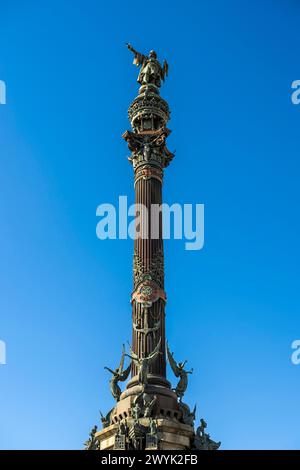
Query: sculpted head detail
{"points": [[153, 54]]}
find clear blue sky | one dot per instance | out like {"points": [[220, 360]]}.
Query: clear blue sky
{"points": [[233, 307]]}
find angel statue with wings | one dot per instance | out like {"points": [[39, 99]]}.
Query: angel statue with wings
{"points": [[179, 371], [151, 70], [118, 375], [143, 363]]}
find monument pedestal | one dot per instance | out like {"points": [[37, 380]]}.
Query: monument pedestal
{"points": [[171, 435]]}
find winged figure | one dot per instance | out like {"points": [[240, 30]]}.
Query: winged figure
{"points": [[143, 363], [188, 416], [179, 371], [105, 420], [118, 375]]}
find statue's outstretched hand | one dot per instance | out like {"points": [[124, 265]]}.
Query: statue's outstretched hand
{"points": [[129, 46]]}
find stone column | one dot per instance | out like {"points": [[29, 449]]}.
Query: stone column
{"points": [[148, 115]]}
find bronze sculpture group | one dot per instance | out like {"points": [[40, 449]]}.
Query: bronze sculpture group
{"points": [[143, 363]]}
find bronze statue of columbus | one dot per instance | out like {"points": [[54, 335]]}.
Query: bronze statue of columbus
{"points": [[151, 70]]}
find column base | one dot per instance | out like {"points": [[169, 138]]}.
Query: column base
{"points": [[169, 435]]}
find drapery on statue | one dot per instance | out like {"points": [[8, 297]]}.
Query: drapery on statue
{"points": [[143, 363], [179, 371], [118, 375], [151, 70]]}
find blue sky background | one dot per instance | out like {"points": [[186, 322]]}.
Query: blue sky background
{"points": [[233, 307]]}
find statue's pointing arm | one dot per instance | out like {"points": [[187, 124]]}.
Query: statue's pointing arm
{"points": [[138, 57]]}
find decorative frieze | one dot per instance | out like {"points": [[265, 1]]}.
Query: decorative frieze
{"points": [[154, 271]]}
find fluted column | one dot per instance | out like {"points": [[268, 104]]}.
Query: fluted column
{"points": [[148, 301], [148, 114]]}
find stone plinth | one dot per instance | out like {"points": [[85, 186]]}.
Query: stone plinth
{"points": [[171, 434]]}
